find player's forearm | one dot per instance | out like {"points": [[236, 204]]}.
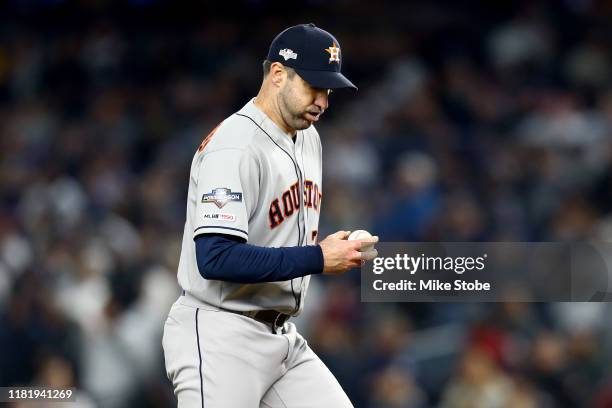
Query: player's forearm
{"points": [[226, 258]]}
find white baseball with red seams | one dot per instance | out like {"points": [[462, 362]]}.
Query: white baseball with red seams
{"points": [[362, 234]]}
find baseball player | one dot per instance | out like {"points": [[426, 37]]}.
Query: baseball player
{"points": [[250, 242]]}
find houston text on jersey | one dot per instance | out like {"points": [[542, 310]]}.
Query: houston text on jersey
{"points": [[287, 204]]}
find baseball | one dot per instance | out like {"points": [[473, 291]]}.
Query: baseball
{"points": [[361, 234]]}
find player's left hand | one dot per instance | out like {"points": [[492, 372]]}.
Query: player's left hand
{"points": [[341, 255]]}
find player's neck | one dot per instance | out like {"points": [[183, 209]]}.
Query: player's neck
{"points": [[265, 104]]}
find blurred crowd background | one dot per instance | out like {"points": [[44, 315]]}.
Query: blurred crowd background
{"points": [[474, 121]]}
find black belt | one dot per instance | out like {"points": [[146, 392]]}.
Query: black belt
{"points": [[272, 318]]}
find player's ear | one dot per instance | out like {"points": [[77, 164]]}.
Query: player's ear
{"points": [[277, 74]]}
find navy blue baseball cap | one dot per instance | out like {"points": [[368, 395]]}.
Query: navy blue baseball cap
{"points": [[313, 53]]}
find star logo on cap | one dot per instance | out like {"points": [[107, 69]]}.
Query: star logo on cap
{"points": [[334, 53]]}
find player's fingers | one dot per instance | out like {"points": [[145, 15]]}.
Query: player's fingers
{"points": [[366, 242], [356, 244], [355, 255], [369, 255], [341, 234]]}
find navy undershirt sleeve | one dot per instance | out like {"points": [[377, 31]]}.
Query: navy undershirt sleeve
{"points": [[229, 258]]}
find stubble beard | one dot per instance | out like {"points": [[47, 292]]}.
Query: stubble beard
{"points": [[291, 115]]}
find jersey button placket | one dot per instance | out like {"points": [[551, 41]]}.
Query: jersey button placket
{"points": [[299, 141]]}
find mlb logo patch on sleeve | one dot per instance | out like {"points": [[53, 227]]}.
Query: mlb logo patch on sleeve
{"points": [[220, 217], [221, 196]]}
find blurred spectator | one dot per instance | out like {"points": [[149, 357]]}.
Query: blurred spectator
{"points": [[414, 200], [479, 383], [394, 388]]}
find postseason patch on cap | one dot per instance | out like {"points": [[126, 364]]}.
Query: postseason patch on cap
{"points": [[221, 196], [287, 54]]}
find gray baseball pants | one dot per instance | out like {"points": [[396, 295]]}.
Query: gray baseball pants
{"points": [[219, 359]]}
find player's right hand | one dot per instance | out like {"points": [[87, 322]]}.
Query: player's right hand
{"points": [[340, 255]]}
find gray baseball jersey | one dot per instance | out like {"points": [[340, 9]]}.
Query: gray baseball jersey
{"points": [[251, 180]]}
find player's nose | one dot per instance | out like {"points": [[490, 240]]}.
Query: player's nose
{"points": [[322, 100]]}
